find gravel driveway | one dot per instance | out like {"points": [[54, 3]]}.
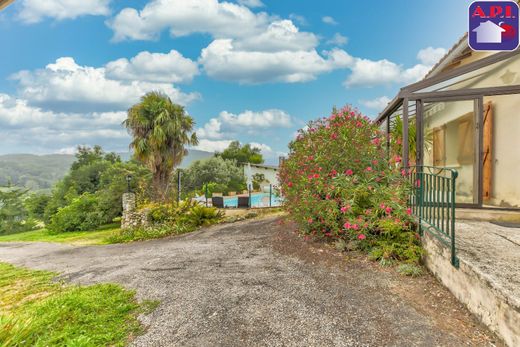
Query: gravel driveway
{"points": [[255, 283]]}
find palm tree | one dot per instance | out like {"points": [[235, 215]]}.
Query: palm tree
{"points": [[161, 130]]}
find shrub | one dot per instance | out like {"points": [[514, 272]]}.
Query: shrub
{"points": [[338, 183], [82, 214]]}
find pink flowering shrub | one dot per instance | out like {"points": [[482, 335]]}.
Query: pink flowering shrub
{"points": [[339, 183]]}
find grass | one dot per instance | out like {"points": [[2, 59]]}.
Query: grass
{"points": [[37, 311], [99, 236]]}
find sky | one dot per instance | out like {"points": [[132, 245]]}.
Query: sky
{"points": [[249, 70]]}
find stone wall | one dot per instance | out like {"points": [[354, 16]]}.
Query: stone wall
{"points": [[132, 218]]}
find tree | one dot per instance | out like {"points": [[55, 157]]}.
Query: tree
{"points": [[225, 175], [161, 130], [36, 204], [13, 215], [242, 154]]}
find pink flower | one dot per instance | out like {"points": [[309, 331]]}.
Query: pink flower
{"points": [[408, 211], [309, 220], [398, 159], [388, 210], [382, 206], [290, 184], [361, 237], [343, 209], [369, 168], [334, 136], [316, 176], [355, 227], [347, 225], [349, 172]]}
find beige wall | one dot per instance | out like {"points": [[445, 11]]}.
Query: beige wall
{"points": [[505, 181]]}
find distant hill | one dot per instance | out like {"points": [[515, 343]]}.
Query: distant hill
{"points": [[41, 172]]}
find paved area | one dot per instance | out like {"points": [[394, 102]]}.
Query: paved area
{"points": [[256, 283], [494, 252]]}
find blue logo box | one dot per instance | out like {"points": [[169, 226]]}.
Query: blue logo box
{"points": [[493, 26]]}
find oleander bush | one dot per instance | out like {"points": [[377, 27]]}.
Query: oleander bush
{"points": [[339, 183]]}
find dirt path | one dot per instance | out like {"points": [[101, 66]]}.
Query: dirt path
{"points": [[255, 283]]}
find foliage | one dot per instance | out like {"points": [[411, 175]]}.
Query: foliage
{"points": [[35, 204], [35, 310], [13, 214], [160, 130], [258, 179], [220, 174], [396, 138], [412, 270], [170, 219], [84, 177], [83, 213], [242, 154], [339, 184], [91, 192]]}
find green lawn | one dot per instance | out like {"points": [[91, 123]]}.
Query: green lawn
{"points": [[95, 237], [37, 311]]}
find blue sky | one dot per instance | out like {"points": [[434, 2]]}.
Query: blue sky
{"points": [[250, 70]]}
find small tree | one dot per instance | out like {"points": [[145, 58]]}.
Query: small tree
{"points": [[13, 215], [161, 130], [225, 175], [242, 153]]}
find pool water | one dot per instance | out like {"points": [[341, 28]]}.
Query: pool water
{"points": [[257, 200]]}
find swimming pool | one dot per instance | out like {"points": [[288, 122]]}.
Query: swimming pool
{"points": [[257, 200]]}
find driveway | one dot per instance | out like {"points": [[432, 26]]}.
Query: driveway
{"points": [[256, 283]]}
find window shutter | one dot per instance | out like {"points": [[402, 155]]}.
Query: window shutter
{"points": [[487, 165]]}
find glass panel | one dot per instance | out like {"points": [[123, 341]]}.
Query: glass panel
{"points": [[449, 141], [503, 73], [501, 161]]}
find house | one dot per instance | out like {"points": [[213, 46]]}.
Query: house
{"points": [[489, 32], [463, 119], [466, 116], [269, 173]]}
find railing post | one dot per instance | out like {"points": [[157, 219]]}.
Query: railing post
{"points": [[250, 197], [206, 193], [454, 259], [420, 197], [178, 186], [270, 195]]}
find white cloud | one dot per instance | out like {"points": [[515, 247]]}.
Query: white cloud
{"points": [[266, 150], [229, 124], [171, 67], [338, 40], [24, 126], [251, 3], [222, 60], [329, 20], [279, 36], [181, 17], [65, 85], [369, 73], [212, 145], [377, 103], [34, 11], [430, 55]]}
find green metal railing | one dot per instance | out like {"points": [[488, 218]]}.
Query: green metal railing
{"points": [[432, 201]]}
